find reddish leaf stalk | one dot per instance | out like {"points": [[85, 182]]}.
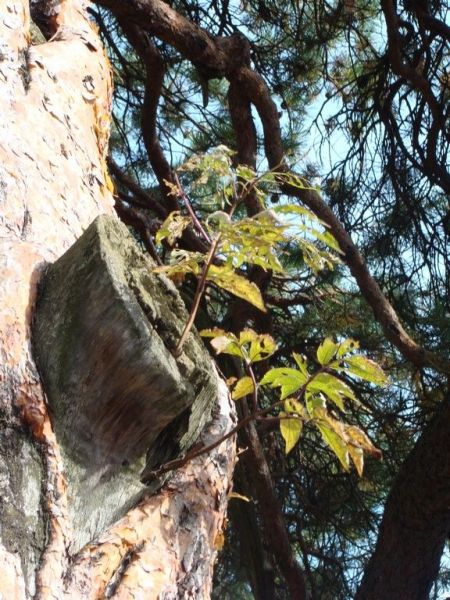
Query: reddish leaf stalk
{"points": [[198, 295]]}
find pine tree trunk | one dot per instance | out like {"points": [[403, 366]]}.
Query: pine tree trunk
{"points": [[416, 520], [54, 125]]}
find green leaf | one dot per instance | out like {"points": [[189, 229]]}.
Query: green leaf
{"points": [[299, 210], [335, 441], [302, 364], [314, 403], [366, 369], [223, 342], [326, 351], [290, 429], [289, 380], [328, 238], [315, 258], [242, 388], [227, 279], [252, 240], [245, 172], [224, 345], [335, 389]]}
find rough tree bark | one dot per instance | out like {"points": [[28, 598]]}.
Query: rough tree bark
{"points": [[416, 520], [54, 126]]}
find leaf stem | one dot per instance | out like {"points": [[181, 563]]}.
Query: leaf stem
{"points": [[198, 295], [251, 374], [191, 211], [180, 462], [255, 415]]}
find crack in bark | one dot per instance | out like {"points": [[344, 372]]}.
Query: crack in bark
{"points": [[116, 578]]}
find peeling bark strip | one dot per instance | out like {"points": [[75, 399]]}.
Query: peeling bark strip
{"points": [[54, 127]]}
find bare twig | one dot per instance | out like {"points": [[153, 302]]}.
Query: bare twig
{"points": [[198, 295], [191, 211]]}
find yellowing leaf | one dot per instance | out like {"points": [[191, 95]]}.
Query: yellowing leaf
{"points": [[212, 333], [251, 346], [241, 287], [289, 380], [290, 429], [263, 347], [366, 369], [247, 335], [326, 351], [224, 345], [223, 342], [346, 346], [172, 228], [357, 456], [242, 388], [358, 438], [182, 262], [293, 406]]}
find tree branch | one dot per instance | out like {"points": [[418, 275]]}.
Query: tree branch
{"points": [[154, 77]]}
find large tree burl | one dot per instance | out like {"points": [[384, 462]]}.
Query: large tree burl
{"points": [[104, 330]]}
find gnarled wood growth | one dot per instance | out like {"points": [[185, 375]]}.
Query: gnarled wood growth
{"points": [[54, 127], [104, 330]]}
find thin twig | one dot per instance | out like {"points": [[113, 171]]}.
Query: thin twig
{"points": [[251, 373], [191, 211], [255, 415], [198, 295]]}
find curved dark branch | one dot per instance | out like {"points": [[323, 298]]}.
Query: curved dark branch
{"points": [[154, 77], [148, 201]]}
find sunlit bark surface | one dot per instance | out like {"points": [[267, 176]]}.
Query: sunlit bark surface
{"points": [[54, 127]]}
